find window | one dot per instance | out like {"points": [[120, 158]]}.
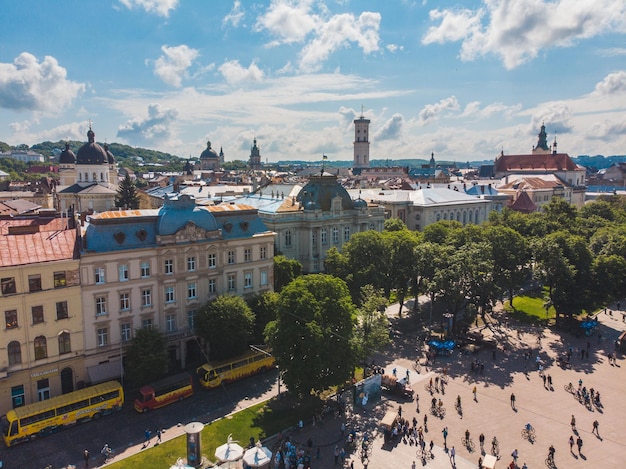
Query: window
{"points": [[124, 301], [324, 236], [17, 396], [98, 274], [169, 295], [335, 235], [34, 283], [41, 347], [145, 269], [191, 291], [146, 323], [231, 257], [102, 336], [146, 297], [37, 313], [232, 282], [212, 286], [11, 318], [191, 263], [247, 280], [59, 280], [62, 312], [15, 353], [191, 318], [288, 238], [126, 332], [170, 322], [346, 234], [247, 255], [169, 266], [212, 261], [101, 305], [64, 343], [123, 273], [263, 278], [313, 239], [263, 253], [8, 286]]}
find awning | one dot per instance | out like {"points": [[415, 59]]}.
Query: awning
{"points": [[104, 372]]}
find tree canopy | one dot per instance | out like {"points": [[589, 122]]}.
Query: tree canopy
{"points": [[311, 337], [127, 196], [146, 357]]}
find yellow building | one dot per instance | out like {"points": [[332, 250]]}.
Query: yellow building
{"points": [[41, 350]]}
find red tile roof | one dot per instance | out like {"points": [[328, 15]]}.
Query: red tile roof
{"points": [[44, 246], [537, 162]]}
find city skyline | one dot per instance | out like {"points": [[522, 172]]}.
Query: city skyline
{"points": [[464, 80]]}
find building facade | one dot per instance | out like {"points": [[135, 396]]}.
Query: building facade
{"points": [[41, 352], [255, 157], [361, 143], [157, 268]]}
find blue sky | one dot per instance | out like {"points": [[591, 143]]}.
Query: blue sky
{"points": [[464, 79]]}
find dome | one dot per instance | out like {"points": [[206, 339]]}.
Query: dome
{"points": [[91, 152], [209, 153], [179, 210], [321, 190], [67, 156], [110, 157], [360, 203]]}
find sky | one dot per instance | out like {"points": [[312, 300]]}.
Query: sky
{"points": [[462, 79]]}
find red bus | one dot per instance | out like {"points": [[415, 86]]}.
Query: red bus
{"points": [[164, 392]]}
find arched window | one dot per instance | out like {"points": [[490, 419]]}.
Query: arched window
{"points": [[335, 235], [95, 177], [64, 343], [438, 216], [86, 176], [41, 347], [102, 176], [15, 353], [80, 177], [288, 238]]}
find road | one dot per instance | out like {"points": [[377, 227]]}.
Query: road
{"points": [[126, 428]]}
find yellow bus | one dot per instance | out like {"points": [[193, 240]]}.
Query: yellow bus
{"points": [[215, 374], [45, 417]]}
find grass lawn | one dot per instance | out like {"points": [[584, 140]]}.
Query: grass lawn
{"points": [[259, 421], [529, 309]]}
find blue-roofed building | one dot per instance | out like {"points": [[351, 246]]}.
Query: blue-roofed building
{"points": [[158, 267]]}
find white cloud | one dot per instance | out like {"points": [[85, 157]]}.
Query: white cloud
{"points": [[152, 129], [29, 85], [339, 31], [234, 73], [432, 112], [159, 7], [474, 109], [289, 20], [556, 116], [613, 83], [235, 15], [606, 129], [172, 66], [295, 21], [613, 52], [394, 48], [517, 30], [390, 129]]}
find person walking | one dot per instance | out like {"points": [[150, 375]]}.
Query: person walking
{"points": [[445, 436], [481, 440], [86, 458], [573, 423], [571, 444], [595, 430], [417, 402], [147, 435], [513, 401], [158, 435], [579, 443], [515, 455], [474, 391], [453, 455]]}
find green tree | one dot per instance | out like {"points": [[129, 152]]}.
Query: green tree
{"points": [[127, 196], [285, 270], [264, 308], [394, 224], [146, 357], [401, 247], [371, 332], [312, 335], [226, 326]]}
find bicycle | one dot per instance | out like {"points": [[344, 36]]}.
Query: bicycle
{"points": [[416, 366], [443, 378], [438, 411], [528, 433], [550, 461], [495, 447], [468, 443], [570, 388], [430, 387]]}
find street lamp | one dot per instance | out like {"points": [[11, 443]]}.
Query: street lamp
{"points": [[265, 352]]}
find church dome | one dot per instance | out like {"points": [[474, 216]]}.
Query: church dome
{"points": [[319, 192], [67, 156], [360, 203], [91, 152], [209, 153], [179, 210], [110, 157]]}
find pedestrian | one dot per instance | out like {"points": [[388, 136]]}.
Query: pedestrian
{"points": [[147, 434], [430, 447], [514, 455], [573, 423], [336, 454], [342, 455], [595, 428], [480, 463], [86, 458], [452, 455], [543, 377], [571, 444], [407, 377], [579, 443], [417, 402], [550, 381], [445, 435], [394, 372], [400, 411], [413, 466], [425, 420], [158, 435], [474, 391], [481, 439], [513, 401]]}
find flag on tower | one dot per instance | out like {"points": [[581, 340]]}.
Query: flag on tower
{"points": [[325, 157]]}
